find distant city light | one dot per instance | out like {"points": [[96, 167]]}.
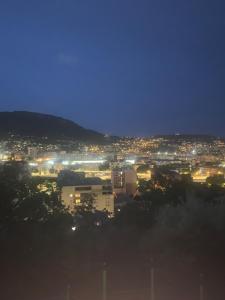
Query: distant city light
{"points": [[80, 162], [33, 164], [130, 161]]}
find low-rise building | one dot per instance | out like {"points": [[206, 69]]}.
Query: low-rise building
{"points": [[103, 198]]}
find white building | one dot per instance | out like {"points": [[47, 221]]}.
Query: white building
{"points": [[103, 198]]}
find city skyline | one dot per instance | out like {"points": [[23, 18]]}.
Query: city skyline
{"points": [[122, 68], [112, 149], [101, 132]]}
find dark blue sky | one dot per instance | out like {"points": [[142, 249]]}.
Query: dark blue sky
{"points": [[136, 67]]}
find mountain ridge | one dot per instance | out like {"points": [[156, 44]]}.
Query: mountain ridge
{"points": [[40, 125]]}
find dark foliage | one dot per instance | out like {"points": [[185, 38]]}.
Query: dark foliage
{"points": [[180, 231]]}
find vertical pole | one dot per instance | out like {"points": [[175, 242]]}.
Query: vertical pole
{"points": [[104, 283], [201, 289], [68, 292], [152, 283]]}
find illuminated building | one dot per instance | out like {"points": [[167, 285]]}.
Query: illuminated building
{"points": [[32, 152], [144, 175], [203, 173], [124, 181], [71, 196]]}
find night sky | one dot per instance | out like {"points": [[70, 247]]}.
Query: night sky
{"points": [[126, 67]]}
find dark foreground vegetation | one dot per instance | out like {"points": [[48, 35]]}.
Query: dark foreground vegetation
{"points": [[47, 254]]}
